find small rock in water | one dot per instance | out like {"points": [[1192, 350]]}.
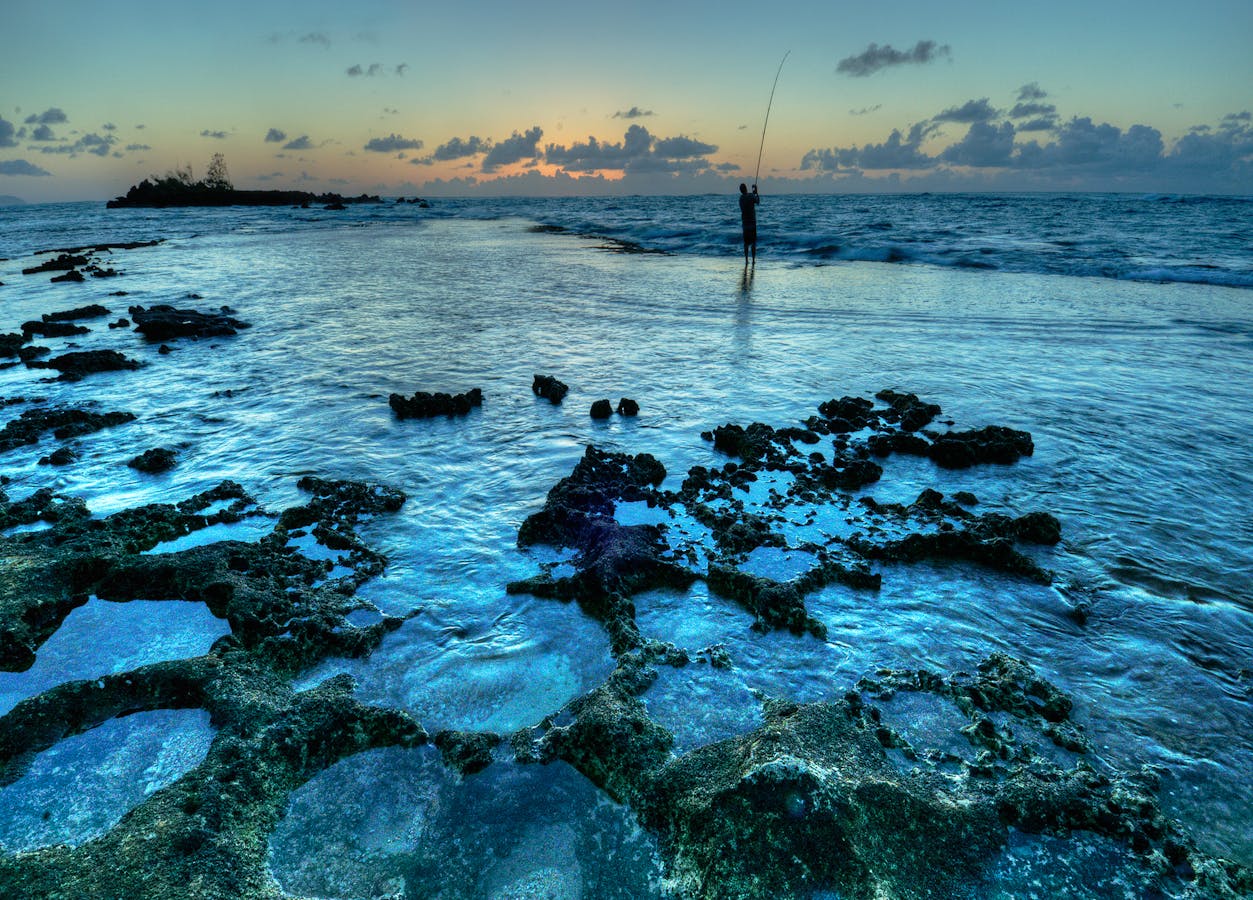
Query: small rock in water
{"points": [[120, 323], [628, 407], [423, 405], [601, 409], [62, 456], [158, 459], [549, 387]]}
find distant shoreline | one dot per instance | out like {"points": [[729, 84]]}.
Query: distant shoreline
{"points": [[149, 195]]}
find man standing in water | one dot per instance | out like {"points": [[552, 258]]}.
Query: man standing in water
{"points": [[748, 217]]}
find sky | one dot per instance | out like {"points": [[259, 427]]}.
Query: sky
{"points": [[554, 97]]}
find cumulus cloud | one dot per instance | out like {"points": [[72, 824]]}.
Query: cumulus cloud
{"points": [[900, 151], [874, 58], [401, 69], [514, 149], [391, 144], [20, 167], [300, 143], [1084, 145], [969, 112], [137, 147], [8, 133], [985, 145], [42, 133], [275, 136], [1031, 91], [457, 148], [633, 113], [355, 71], [52, 116], [639, 152], [216, 135]]}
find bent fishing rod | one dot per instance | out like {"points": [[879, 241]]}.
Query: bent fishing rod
{"points": [[757, 174]]}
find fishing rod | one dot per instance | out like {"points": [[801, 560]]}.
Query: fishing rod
{"points": [[757, 175]]}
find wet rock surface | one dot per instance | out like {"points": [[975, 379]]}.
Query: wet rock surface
{"points": [[846, 796], [78, 364], [156, 460], [549, 388], [424, 405], [165, 323]]}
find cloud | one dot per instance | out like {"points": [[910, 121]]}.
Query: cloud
{"points": [[20, 167], [985, 145], [514, 149], [633, 113], [52, 116], [1030, 110], [374, 70], [456, 148], [275, 136], [639, 152], [874, 58], [43, 133], [1083, 145], [969, 112], [86, 143], [899, 151], [8, 133], [1229, 149], [1031, 91], [108, 126], [1047, 124], [316, 37], [865, 110], [391, 144], [216, 135], [137, 147], [300, 143]]}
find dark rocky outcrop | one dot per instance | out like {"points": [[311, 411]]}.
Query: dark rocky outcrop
{"points": [[628, 407], [165, 323], [550, 388], [64, 423], [601, 409], [78, 364], [72, 275], [423, 405], [91, 311], [52, 329], [154, 461]]}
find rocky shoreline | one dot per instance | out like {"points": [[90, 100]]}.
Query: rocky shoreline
{"points": [[839, 796]]}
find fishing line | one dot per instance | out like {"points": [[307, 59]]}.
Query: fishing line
{"points": [[757, 175]]}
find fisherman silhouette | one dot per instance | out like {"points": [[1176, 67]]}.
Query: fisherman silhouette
{"points": [[748, 217]]}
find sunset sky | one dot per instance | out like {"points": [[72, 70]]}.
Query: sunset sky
{"points": [[554, 97]]}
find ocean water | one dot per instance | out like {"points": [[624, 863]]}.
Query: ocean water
{"points": [[1118, 330]]}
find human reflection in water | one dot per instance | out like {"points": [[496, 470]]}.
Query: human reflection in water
{"points": [[746, 281]]}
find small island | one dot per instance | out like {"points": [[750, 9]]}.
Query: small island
{"points": [[178, 188]]}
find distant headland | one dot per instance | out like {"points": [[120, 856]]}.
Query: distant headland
{"points": [[9, 200], [178, 188]]}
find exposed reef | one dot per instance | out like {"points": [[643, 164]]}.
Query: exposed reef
{"points": [[165, 323], [423, 405]]}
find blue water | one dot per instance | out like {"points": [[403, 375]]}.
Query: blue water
{"points": [[1118, 330]]}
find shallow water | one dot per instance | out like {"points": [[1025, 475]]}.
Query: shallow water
{"points": [[1135, 394]]}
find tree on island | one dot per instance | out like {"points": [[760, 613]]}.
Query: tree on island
{"points": [[216, 178]]}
